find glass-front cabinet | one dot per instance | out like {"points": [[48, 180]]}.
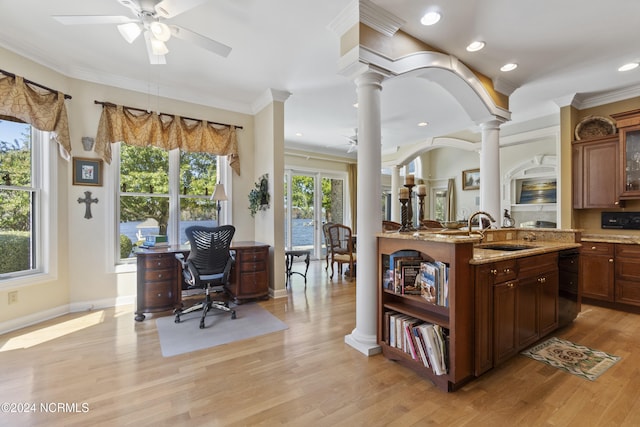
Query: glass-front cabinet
{"points": [[628, 124]]}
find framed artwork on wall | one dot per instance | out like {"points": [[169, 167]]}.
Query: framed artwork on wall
{"points": [[471, 179], [87, 171]]}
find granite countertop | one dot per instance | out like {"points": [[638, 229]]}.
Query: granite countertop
{"points": [[538, 247], [612, 238], [548, 242]]}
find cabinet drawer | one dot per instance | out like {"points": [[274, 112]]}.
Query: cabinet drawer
{"points": [[597, 248], [160, 274], [532, 266], [160, 261], [504, 270], [631, 251]]}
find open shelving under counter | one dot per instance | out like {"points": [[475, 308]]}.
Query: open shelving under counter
{"points": [[449, 314]]}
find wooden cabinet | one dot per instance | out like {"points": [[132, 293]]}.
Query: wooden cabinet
{"points": [[627, 274], [456, 319], [597, 270], [517, 303], [628, 124], [595, 173], [159, 283], [250, 274], [538, 287]]}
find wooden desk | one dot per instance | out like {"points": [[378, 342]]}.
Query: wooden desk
{"points": [[160, 283]]}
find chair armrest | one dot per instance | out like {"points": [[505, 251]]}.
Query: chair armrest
{"points": [[180, 257]]}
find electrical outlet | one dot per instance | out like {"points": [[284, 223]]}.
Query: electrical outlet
{"points": [[13, 297]]}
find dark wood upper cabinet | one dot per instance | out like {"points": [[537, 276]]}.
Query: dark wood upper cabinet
{"points": [[595, 173]]}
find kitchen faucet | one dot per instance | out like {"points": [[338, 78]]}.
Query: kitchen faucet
{"points": [[481, 231]]}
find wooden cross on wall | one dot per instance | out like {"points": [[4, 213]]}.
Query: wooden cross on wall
{"points": [[87, 201]]}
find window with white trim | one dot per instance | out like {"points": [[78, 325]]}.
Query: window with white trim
{"points": [[26, 173], [161, 193]]}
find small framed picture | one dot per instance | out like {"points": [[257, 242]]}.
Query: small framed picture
{"points": [[87, 171], [471, 179]]}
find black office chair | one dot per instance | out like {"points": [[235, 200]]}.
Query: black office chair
{"points": [[208, 266]]}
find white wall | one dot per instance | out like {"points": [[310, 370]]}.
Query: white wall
{"points": [[86, 278]]}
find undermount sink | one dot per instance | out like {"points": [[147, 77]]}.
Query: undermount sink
{"points": [[504, 247]]}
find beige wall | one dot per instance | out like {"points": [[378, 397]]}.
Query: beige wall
{"points": [[85, 277]]}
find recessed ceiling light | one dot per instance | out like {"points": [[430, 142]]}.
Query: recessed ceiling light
{"points": [[629, 66], [355, 105], [430, 18], [423, 124], [509, 67], [475, 46], [298, 133]]}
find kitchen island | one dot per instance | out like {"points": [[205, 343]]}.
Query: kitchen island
{"points": [[498, 300]]}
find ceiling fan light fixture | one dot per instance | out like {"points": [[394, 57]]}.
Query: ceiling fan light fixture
{"points": [[158, 47], [130, 31], [160, 31]]}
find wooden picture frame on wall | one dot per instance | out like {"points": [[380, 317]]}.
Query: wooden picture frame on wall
{"points": [[471, 179], [87, 171]]}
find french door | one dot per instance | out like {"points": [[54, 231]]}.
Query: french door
{"points": [[312, 199]]}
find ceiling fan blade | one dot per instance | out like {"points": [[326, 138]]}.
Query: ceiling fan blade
{"points": [[171, 8], [153, 58], [199, 40], [91, 19], [352, 148]]}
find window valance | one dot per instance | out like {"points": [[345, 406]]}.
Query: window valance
{"points": [[142, 128], [43, 109]]}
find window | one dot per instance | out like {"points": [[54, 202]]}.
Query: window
{"points": [[161, 193], [25, 173]]}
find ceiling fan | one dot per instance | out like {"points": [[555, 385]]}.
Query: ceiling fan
{"points": [[149, 17], [352, 141]]}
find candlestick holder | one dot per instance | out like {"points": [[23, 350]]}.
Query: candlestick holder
{"points": [[410, 206], [404, 216], [420, 209]]}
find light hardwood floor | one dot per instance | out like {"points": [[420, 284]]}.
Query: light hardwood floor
{"points": [[304, 376]]}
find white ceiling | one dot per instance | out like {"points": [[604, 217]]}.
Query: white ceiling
{"points": [[566, 50]]}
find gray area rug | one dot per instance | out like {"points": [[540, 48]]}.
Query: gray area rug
{"points": [[178, 338]]}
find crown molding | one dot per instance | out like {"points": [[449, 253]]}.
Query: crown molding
{"points": [[379, 19], [347, 18], [269, 96]]}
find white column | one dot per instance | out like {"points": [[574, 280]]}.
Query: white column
{"points": [[490, 169], [395, 185], [363, 337]]}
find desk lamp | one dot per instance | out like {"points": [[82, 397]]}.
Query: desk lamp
{"points": [[219, 196]]}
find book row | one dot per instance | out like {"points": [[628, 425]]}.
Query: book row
{"points": [[424, 342], [407, 273]]}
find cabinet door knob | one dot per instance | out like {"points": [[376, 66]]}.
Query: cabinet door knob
{"points": [[507, 270], [593, 248], [610, 259], [493, 271], [510, 285]]}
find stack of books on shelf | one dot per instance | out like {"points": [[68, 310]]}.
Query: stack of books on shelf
{"points": [[401, 272], [424, 342], [434, 282]]}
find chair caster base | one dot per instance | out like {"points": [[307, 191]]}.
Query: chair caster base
{"points": [[233, 314]]}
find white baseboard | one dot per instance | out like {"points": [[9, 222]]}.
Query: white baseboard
{"points": [[41, 316]]}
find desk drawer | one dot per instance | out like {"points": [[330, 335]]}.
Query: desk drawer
{"points": [[159, 295], [160, 261], [253, 266], [160, 274]]}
